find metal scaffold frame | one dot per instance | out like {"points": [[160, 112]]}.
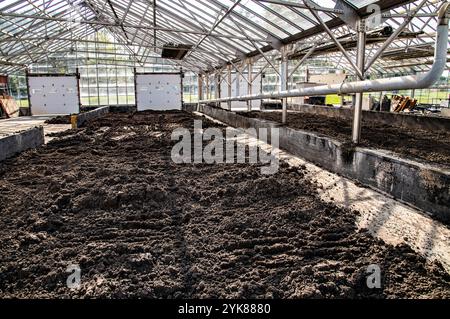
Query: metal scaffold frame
{"points": [[245, 37]]}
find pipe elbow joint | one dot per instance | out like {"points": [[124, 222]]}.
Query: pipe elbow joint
{"points": [[443, 13]]}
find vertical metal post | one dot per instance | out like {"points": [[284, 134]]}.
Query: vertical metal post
{"points": [[229, 86], [381, 101], [238, 82], [27, 72], [356, 134], [216, 87], [208, 89], [200, 87], [77, 72], [154, 23], [250, 84], [284, 73]]}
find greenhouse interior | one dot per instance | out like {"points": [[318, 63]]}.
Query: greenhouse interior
{"points": [[224, 149]]}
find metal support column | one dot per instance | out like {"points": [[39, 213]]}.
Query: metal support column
{"points": [[229, 86], [208, 89], [356, 133], [284, 74], [217, 87], [200, 87], [381, 101], [238, 81], [250, 84]]}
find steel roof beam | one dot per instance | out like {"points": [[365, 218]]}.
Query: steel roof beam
{"points": [[101, 23], [394, 35], [302, 6]]}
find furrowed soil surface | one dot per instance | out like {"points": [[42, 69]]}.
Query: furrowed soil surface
{"points": [[109, 199], [65, 119], [427, 146]]}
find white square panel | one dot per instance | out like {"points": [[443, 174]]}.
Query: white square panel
{"points": [[53, 94]]}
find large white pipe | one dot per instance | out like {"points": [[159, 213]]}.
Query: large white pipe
{"points": [[418, 81]]}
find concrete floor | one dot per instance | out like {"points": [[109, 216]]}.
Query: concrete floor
{"points": [[14, 125]]}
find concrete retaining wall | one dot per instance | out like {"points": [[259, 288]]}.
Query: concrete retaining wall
{"points": [[410, 121], [18, 142], [423, 186], [122, 108], [81, 118]]}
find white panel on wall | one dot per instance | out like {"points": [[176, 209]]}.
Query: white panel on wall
{"points": [[243, 90], [158, 91], [54, 94]]}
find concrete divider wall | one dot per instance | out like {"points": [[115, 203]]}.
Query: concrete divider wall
{"points": [[410, 121], [122, 108], [423, 186], [189, 107], [18, 142], [83, 117]]}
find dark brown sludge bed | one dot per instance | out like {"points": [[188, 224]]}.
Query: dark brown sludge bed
{"points": [[109, 198], [426, 145]]}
